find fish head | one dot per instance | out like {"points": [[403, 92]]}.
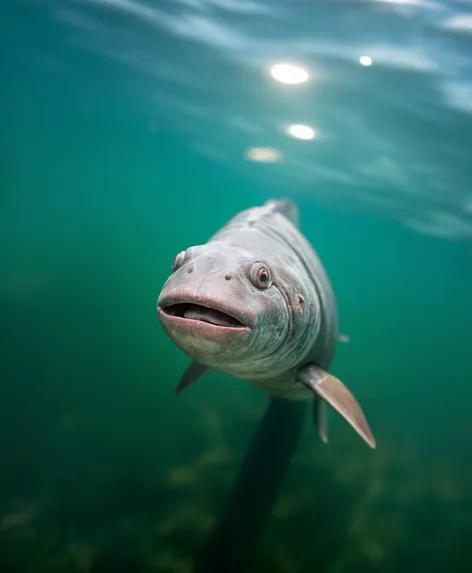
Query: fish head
{"points": [[222, 307]]}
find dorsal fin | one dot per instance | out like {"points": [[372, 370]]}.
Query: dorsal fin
{"points": [[285, 207]]}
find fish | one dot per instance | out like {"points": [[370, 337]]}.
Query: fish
{"points": [[255, 303]]}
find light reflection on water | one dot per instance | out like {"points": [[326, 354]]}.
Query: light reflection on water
{"points": [[398, 131]]}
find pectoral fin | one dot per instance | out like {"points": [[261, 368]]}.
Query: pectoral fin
{"points": [[320, 419], [194, 371], [332, 390]]}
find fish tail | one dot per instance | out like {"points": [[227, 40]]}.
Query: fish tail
{"points": [[230, 544]]}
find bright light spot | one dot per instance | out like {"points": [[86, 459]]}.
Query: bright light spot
{"points": [[264, 154], [288, 74], [301, 132], [365, 60]]}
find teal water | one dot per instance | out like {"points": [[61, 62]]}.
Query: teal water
{"points": [[123, 132]]}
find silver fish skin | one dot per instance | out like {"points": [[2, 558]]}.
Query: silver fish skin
{"points": [[255, 303]]}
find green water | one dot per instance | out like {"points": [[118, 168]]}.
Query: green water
{"points": [[101, 467]]}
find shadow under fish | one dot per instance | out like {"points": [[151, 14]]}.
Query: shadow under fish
{"points": [[255, 303]]}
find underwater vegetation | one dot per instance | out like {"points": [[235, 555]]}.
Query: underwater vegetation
{"points": [[340, 510]]}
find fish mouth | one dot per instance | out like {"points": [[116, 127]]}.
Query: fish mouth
{"points": [[192, 311], [202, 315]]}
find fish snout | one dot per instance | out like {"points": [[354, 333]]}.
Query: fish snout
{"points": [[214, 282]]}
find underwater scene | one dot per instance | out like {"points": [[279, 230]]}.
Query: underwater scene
{"points": [[172, 172]]}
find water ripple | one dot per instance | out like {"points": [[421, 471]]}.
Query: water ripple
{"points": [[394, 137]]}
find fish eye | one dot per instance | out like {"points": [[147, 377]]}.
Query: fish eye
{"points": [[178, 261], [261, 276]]}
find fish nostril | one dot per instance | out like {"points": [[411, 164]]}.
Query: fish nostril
{"points": [[191, 269], [228, 276]]}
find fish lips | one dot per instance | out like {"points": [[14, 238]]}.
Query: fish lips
{"points": [[220, 320]]}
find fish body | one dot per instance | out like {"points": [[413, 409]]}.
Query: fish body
{"points": [[255, 303]]}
